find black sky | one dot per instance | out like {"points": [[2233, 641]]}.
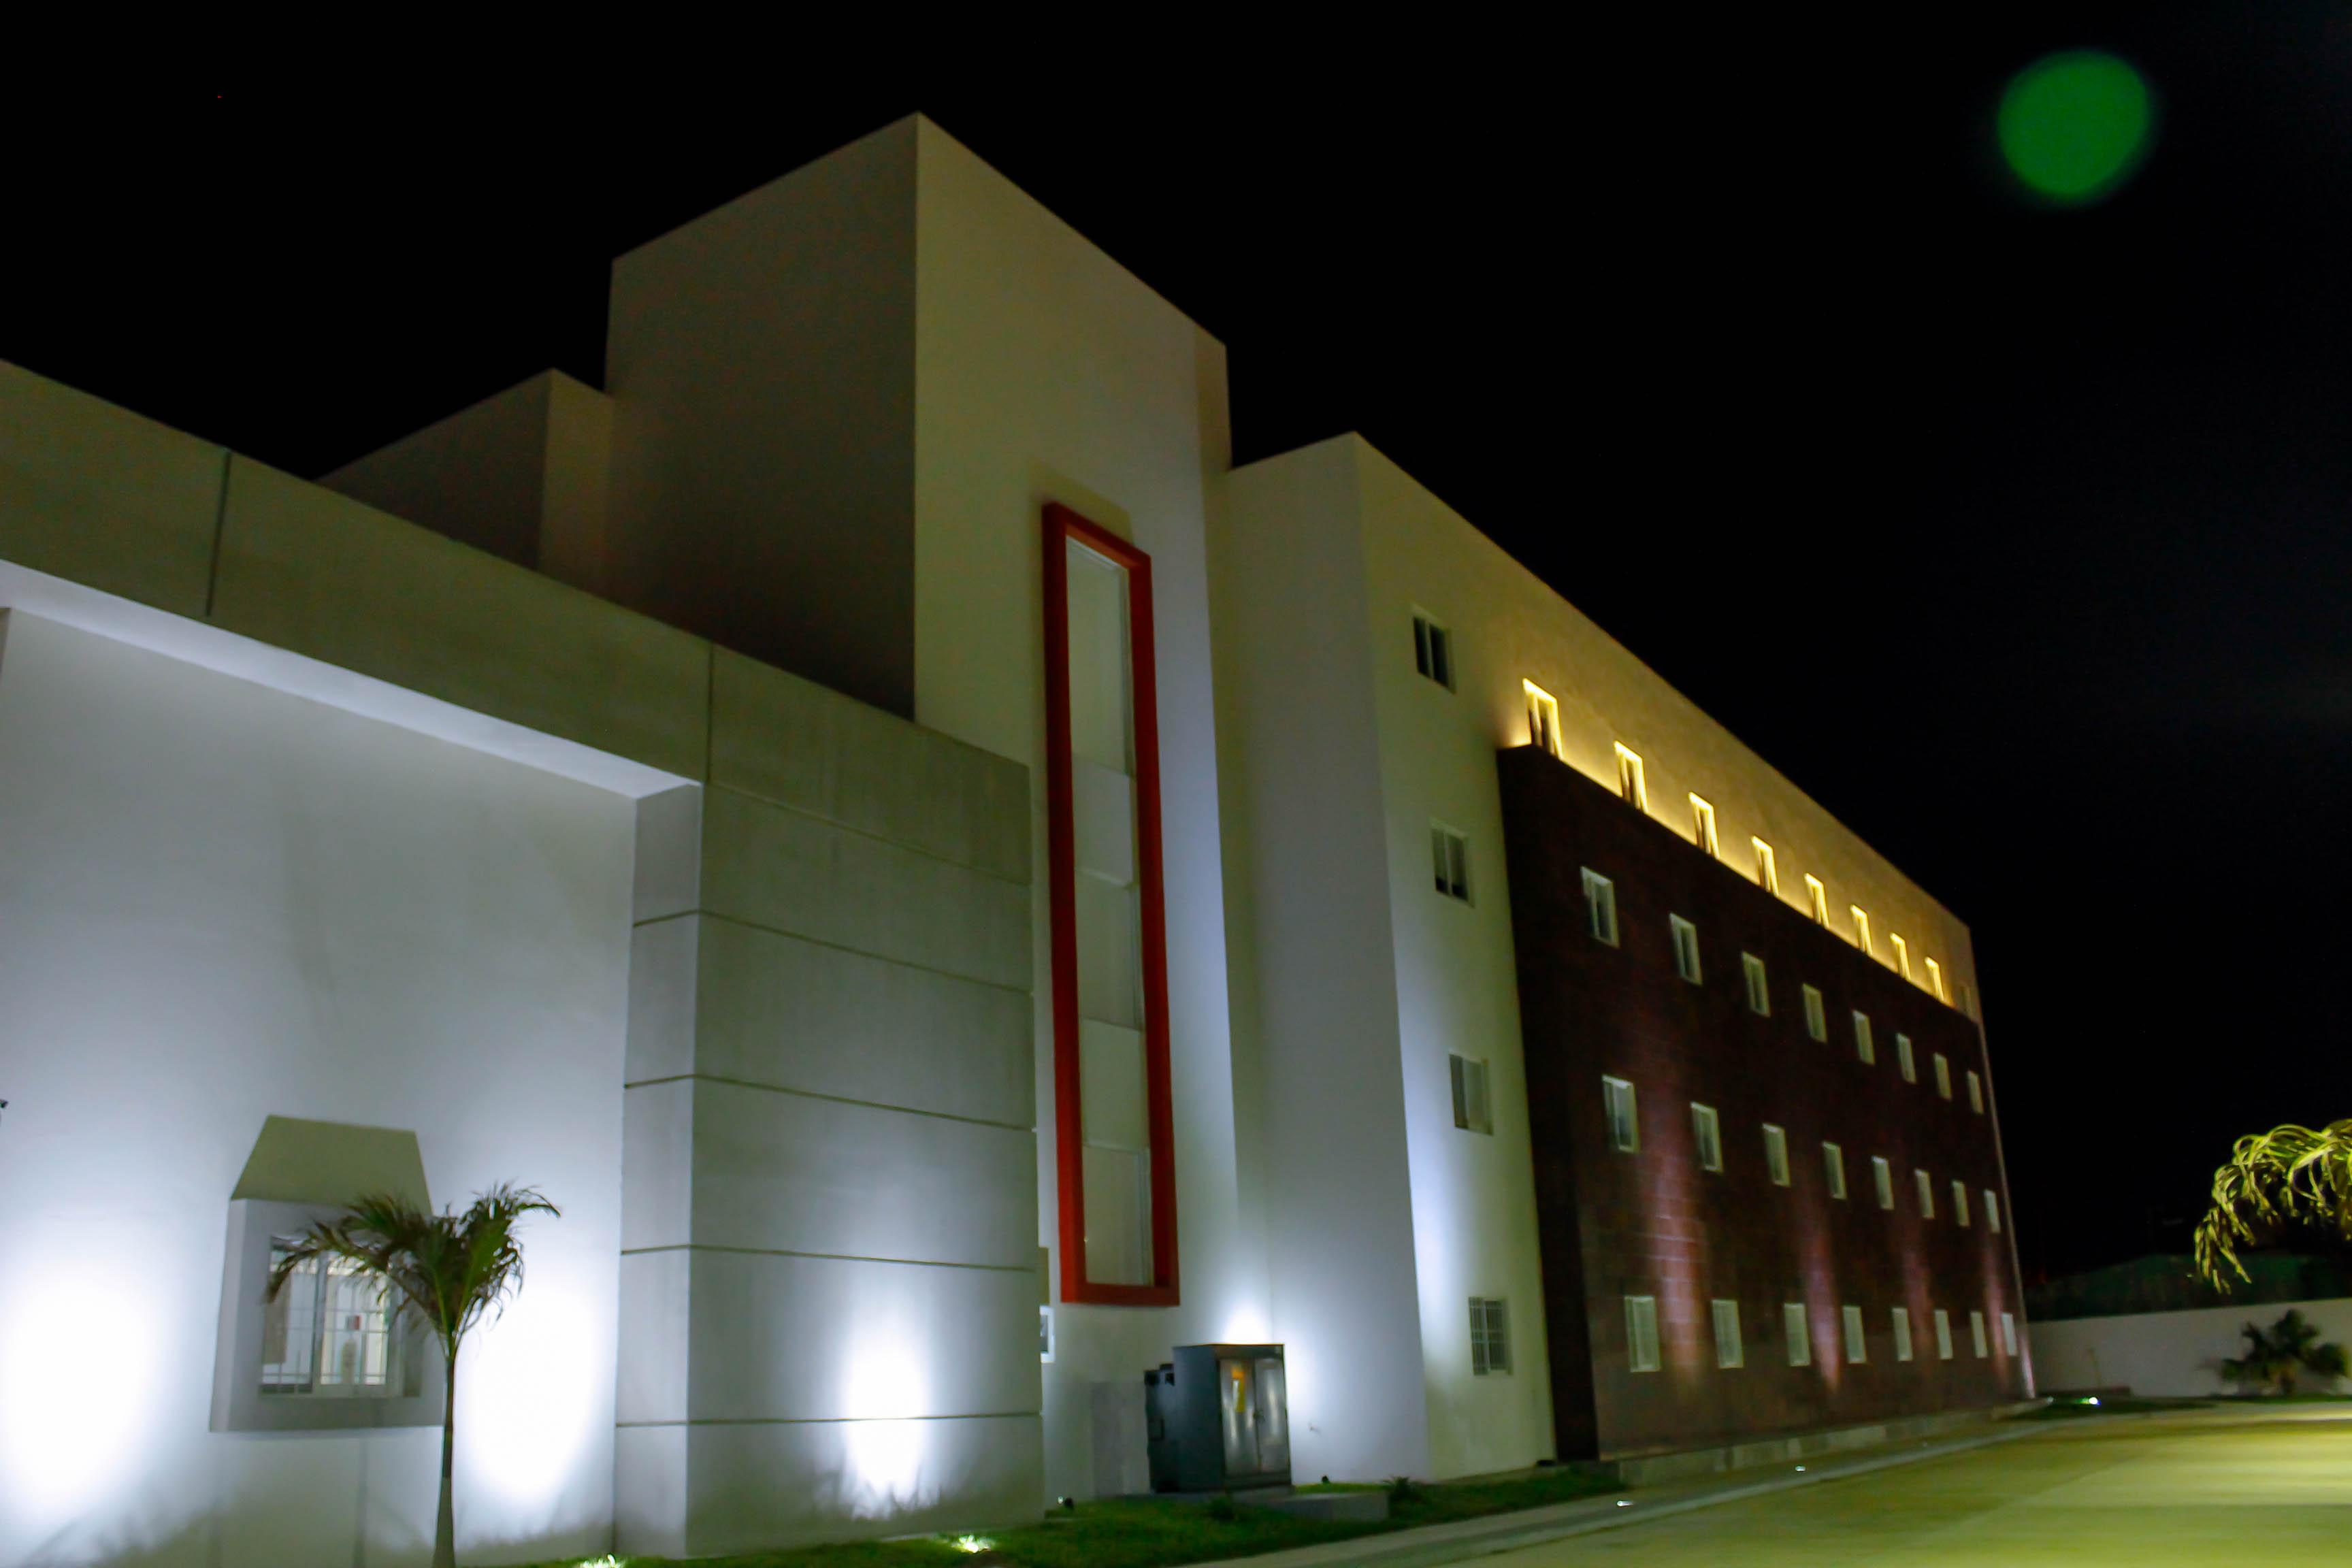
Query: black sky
{"points": [[2019, 538]]}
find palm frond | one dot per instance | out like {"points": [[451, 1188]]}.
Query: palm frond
{"points": [[2290, 1173], [447, 1269]]}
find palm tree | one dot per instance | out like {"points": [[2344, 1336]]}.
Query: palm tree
{"points": [[2288, 1176], [2273, 1357], [446, 1269]]}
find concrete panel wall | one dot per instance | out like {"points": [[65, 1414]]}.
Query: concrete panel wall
{"points": [[2166, 1354], [479, 477]]}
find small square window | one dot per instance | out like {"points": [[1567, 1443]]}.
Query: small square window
{"points": [[1432, 650], [1490, 1337], [1818, 898], [1833, 1165], [1858, 1346], [1926, 1193], [1861, 927], [1936, 982], [1776, 1155], [1760, 995], [1767, 871], [1903, 1059], [2009, 1332], [1471, 1112], [1543, 718], [1977, 1335], [1703, 828], [1706, 1132], [1685, 948], [1943, 1334], [1943, 1076], [1642, 1333], [1976, 1092], [1902, 953], [1992, 1212], [1617, 1099], [1881, 1181], [1794, 1331], [1902, 1317], [1863, 1048], [1630, 782], [1817, 1018], [1729, 1350], [1449, 851], [1601, 906], [1959, 1204]]}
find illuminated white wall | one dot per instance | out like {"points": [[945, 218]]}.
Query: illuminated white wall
{"points": [[223, 901]]}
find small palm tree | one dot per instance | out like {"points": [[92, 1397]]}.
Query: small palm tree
{"points": [[2289, 1175], [2273, 1356], [449, 1269]]}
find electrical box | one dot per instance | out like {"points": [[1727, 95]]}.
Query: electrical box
{"points": [[1217, 1418]]}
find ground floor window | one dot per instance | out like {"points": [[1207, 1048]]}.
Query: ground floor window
{"points": [[1490, 1336], [328, 1333]]}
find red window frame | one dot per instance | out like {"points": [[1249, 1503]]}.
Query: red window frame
{"points": [[1062, 525]]}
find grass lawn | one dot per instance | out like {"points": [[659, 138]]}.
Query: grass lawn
{"points": [[1134, 1533]]}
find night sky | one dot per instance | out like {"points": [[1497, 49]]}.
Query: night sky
{"points": [[2022, 539]]}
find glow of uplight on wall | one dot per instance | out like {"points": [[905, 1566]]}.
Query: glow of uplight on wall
{"points": [[885, 1389], [77, 1376], [526, 1401]]}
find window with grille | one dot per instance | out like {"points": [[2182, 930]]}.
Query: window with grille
{"points": [[1642, 1333], [1432, 650], [1959, 1204], [1943, 1334], [1706, 1132], [1449, 851], [1490, 1336], [1817, 897], [1601, 906], [1943, 1076], [1617, 1099], [1760, 995], [1543, 718], [1903, 1059], [1768, 869], [1703, 828], [1926, 1195], [1817, 1016], [1977, 1334], [1976, 1092], [1471, 1112], [1857, 1346], [1881, 1180], [1776, 1155], [1833, 1166], [1798, 1337], [1729, 1350], [328, 1333], [1902, 1319], [1630, 782], [1863, 1048], [1685, 948]]}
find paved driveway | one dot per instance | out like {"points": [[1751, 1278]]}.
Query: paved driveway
{"points": [[2268, 1488]]}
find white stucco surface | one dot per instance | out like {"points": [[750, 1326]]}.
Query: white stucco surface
{"points": [[2163, 1354]]}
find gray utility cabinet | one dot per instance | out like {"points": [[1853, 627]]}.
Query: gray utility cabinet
{"points": [[1218, 1419]]}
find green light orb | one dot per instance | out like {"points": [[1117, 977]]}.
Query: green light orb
{"points": [[2074, 126]]}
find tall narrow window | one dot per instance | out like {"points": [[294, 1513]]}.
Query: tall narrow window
{"points": [[1992, 1212], [2009, 1332], [1729, 1350], [1857, 1344], [1432, 650], [1706, 1132], [1768, 872], [1881, 1181], [1817, 1016], [1630, 783], [1490, 1336], [1903, 1059], [1794, 1331], [1902, 1316], [1703, 828], [1685, 949], [1926, 1193], [1936, 982], [1543, 718], [1776, 1155], [1818, 898], [1601, 906], [1943, 1076], [1760, 995], [1449, 854], [1833, 1167], [1471, 1111], [1977, 1334], [1976, 1092], [1862, 1047], [1114, 1142], [1641, 1333], [1960, 1202], [1861, 927], [1967, 1001], [1902, 953], [1617, 1100], [1943, 1334]]}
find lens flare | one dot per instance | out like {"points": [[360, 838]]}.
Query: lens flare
{"points": [[2075, 126]]}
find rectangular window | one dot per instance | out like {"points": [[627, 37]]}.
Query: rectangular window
{"points": [[1617, 1099], [2009, 1332], [1936, 982], [1114, 1143], [1449, 851], [1490, 1337], [1861, 927], [1630, 782], [1685, 948], [1976, 1092], [1902, 953], [1992, 1212], [1926, 1193], [1776, 1155], [1543, 718], [1760, 995], [1902, 1316], [1967, 1001], [1642, 1333], [1863, 1048], [1943, 1076], [1977, 1335], [1793, 1329], [1817, 1018], [1729, 1350], [1943, 1334], [1858, 1346], [1767, 871], [1959, 1204], [1703, 828], [1903, 1059], [1833, 1165], [1881, 1181], [1708, 1135], [1432, 650], [1601, 906], [328, 1333], [1471, 1112], [1818, 897]]}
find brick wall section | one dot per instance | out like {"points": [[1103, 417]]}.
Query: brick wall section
{"points": [[1654, 1223]]}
